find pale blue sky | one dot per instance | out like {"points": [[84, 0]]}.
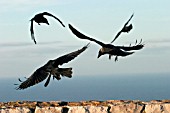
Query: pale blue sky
{"points": [[100, 19]]}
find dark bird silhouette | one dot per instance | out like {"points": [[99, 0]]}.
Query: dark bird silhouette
{"points": [[51, 68], [125, 29], [39, 18], [109, 48]]}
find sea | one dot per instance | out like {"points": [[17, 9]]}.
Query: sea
{"points": [[144, 87]]}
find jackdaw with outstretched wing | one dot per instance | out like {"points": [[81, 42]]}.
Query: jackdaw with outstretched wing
{"points": [[39, 18], [51, 68], [125, 29], [108, 48]]}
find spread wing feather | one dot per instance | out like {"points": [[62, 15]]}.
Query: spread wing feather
{"points": [[68, 57], [82, 36], [38, 76], [129, 20], [125, 25], [129, 48], [48, 14], [116, 36], [32, 32]]}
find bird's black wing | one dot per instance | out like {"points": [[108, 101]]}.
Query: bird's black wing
{"points": [[38, 76], [68, 57], [116, 36], [82, 36], [32, 32], [125, 25], [128, 20], [135, 47], [129, 48], [48, 14]]}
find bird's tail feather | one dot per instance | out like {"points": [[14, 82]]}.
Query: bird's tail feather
{"points": [[67, 72], [63, 71]]}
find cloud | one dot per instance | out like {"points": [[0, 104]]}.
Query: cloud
{"points": [[23, 5], [27, 2], [158, 43], [25, 44], [23, 58], [45, 50]]}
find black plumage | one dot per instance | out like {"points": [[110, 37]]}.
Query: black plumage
{"points": [[39, 18], [108, 48], [51, 68], [125, 29]]}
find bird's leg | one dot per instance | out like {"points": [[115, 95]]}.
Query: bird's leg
{"points": [[48, 80], [110, 56], [116, 58]]}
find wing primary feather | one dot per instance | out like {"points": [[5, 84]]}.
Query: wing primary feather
{"points": [[140, 41], [19, 79], [135, 47], [49, 14], [136, 41], [82, 36], [116, 36], [38, 76], [68, 57], [129, 20], [32, 31]]}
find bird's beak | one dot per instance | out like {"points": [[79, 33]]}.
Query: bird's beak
{"points": [[98, 55]]}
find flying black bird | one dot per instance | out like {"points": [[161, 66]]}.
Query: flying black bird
{"points": [[51, 68], [109, 48], [39, 18], [125, 29]]}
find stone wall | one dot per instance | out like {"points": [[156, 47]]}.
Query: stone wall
{"points": [[110, 106]]}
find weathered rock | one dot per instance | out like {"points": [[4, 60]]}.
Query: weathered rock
{"points": [[16, 110], [77, 109], [48, 109], [126, 108], [110, 106], [157, 108]]}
